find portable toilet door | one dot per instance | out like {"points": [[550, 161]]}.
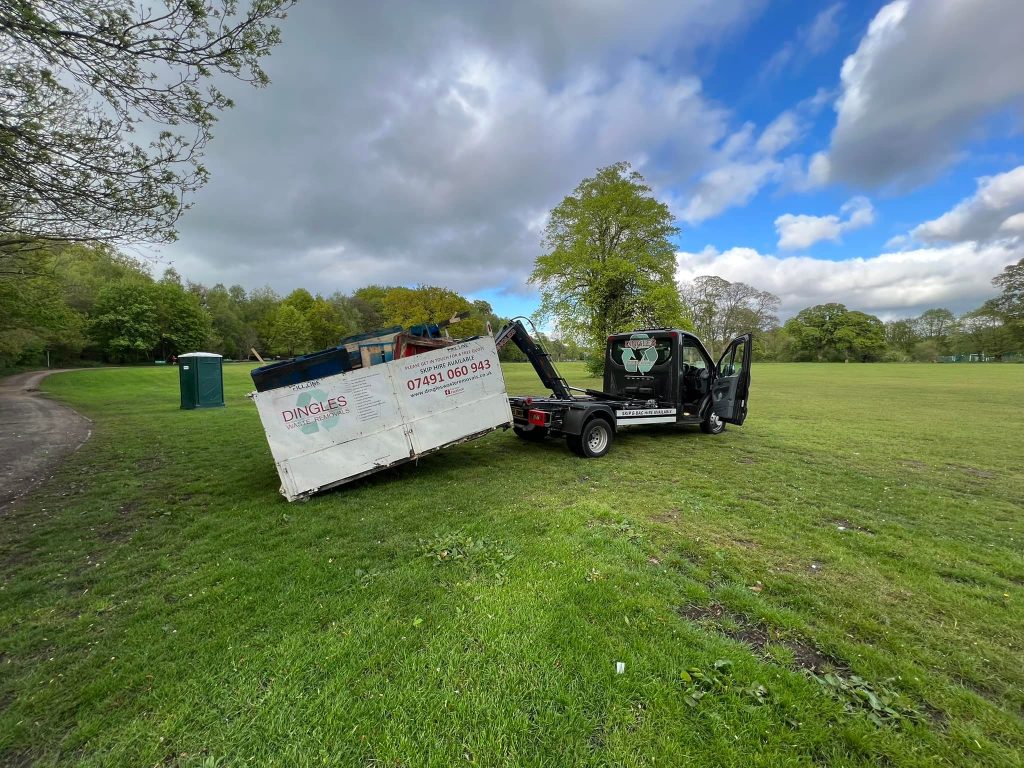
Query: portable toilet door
{"points": [[201, 376]]}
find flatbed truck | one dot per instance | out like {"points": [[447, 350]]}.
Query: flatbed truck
{"points": [[651, 376]]}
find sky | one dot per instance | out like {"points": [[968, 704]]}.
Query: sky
{"points": [[862, 152]]}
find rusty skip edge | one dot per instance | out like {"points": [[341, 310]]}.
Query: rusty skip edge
{"points": [[413, 456]]}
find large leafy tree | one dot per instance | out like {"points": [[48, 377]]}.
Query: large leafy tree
{"points": [[902, 336], [1010, 302], [327, 325], [937, 326], [289, 334], [259, 312], [124, 323], [369, 303], [424, 304], [181, 322], [36, 315], [106, 106], [984, 332], [833, 332], [230, 335], [609, 261], [721, 310]]}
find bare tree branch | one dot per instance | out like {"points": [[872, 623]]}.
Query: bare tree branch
{"points": [[81, 79]]}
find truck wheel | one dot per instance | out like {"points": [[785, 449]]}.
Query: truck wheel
{"points": [[594, 442], [533, 434], [712, 425]]}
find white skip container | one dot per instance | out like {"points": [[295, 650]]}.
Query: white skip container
{"points": [[330, 431]]}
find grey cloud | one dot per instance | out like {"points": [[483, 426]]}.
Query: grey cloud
{"points": [[400, 143], [922, 79]]}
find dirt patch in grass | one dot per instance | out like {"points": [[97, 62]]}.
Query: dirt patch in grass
{"points": [[969, 580], [16, 758], [9, 561], [702, 614], [746, 460], [761, 639], [130, 507], [757, 636], [913, 464], [972, 471], [6, 699], [808, 657], [668, 516]]}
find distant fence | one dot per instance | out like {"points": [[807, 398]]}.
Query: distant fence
{"points": [[976, 357]]}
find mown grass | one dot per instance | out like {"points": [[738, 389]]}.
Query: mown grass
{"points": [[160, 604]]}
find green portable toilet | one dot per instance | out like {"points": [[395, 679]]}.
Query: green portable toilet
{"points": [[201, 377]]}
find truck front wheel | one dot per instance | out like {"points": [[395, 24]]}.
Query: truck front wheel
{"points": [[712, 425], [594, 441]]}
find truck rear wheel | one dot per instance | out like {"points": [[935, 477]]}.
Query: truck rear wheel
{"points": [[595, 440], [533, 434]]}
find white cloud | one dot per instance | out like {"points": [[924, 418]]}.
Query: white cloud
{"points": [[797, 231], [980, 216], [810, 40], [728, 185], [824, 30], [745, 166], [802, 231], [780, 133], [1013, 224], [890, 285], [923, 78]]}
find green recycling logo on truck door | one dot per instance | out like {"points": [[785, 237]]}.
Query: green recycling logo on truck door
{"points": [[648, 357]]}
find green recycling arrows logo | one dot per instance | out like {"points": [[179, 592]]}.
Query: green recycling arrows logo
{"points": [[314, 395], [648, 357]]}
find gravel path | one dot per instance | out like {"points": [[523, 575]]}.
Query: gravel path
{"points": [[35, 434]]}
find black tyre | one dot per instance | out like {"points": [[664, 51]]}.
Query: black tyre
{"points": [[712, 425], [594, 442], [533, 434]]}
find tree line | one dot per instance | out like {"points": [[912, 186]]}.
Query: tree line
{"points": [[832, 332], [94, 303]]}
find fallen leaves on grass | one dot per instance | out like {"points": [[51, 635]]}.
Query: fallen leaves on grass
{"points": [[879, 703], [479, 555], [717, 679]]}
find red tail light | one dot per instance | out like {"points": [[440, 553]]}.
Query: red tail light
{"points": [[538, 418], [528, 401]]}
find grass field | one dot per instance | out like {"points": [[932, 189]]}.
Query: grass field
{"points": [[838, 583]]}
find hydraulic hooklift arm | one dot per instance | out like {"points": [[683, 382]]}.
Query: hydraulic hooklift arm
{"points": [[516, 332]]}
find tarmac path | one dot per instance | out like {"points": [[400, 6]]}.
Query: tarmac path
{"points": [[35, 435]]}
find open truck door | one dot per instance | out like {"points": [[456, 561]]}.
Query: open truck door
{"points": [[731, 387]]}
